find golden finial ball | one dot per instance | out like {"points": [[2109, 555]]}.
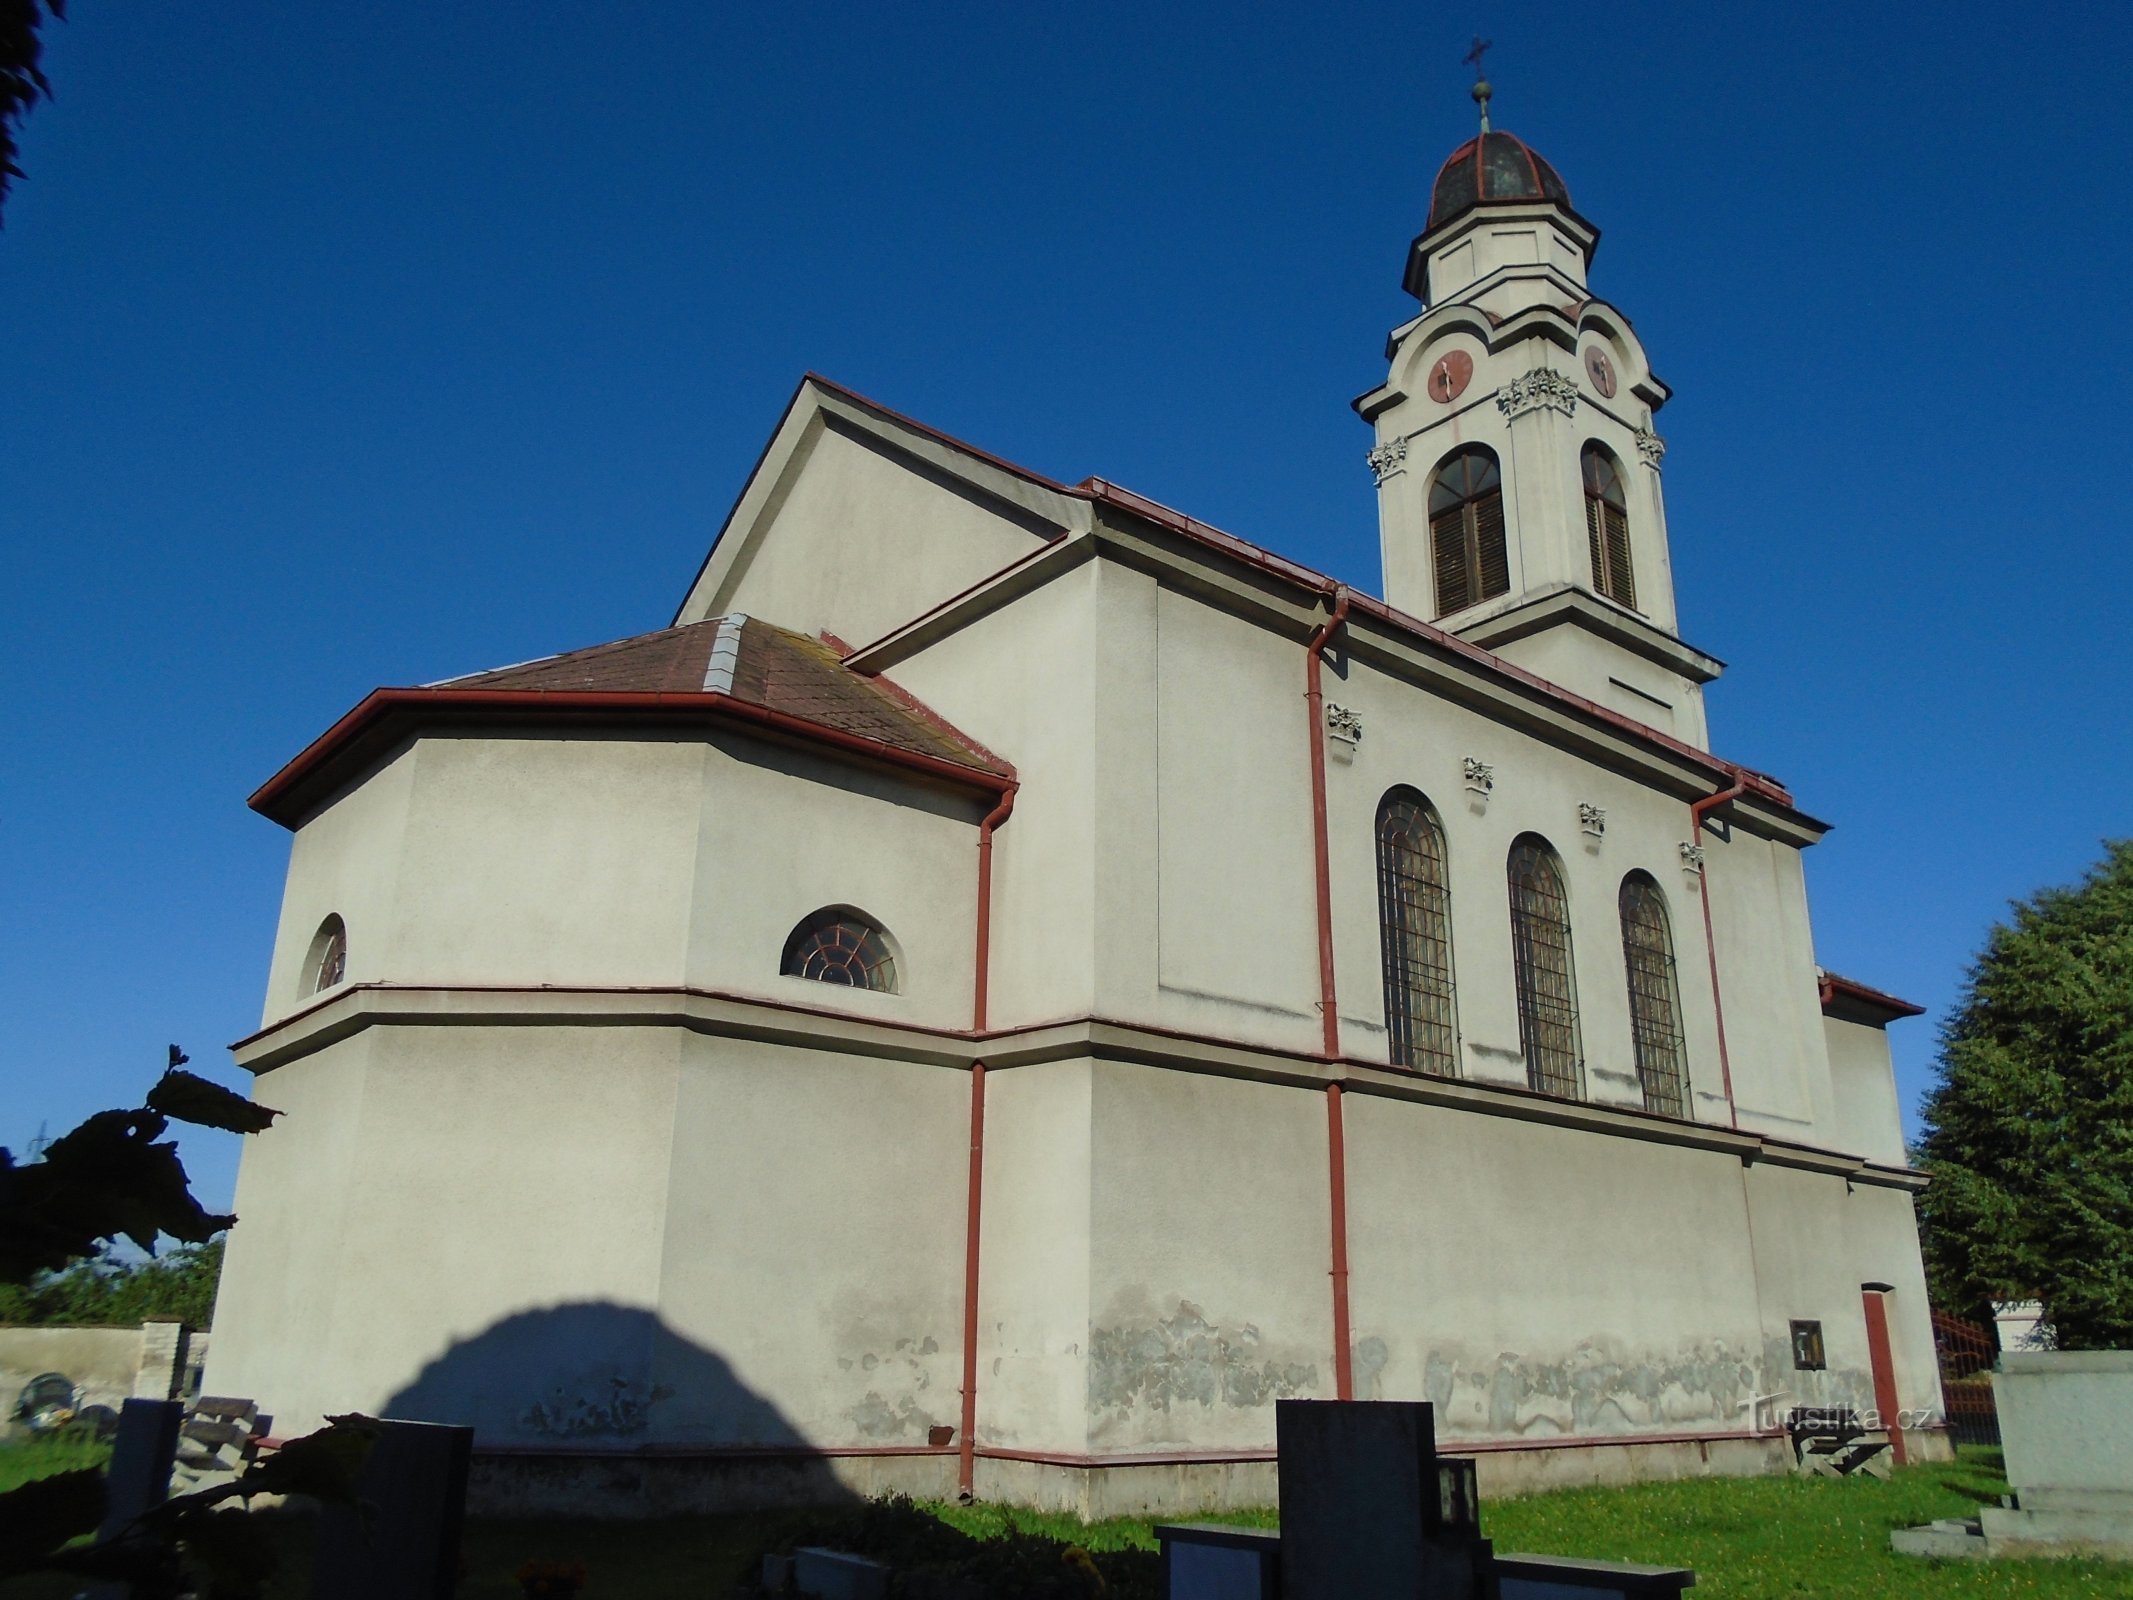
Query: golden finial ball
{"points": [[1482, 90]]}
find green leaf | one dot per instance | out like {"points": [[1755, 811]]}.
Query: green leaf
{"points": [[191, 1098]]}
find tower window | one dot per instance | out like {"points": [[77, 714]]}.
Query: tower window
{"points": [[1654, 997], [1540, 952], [1415, 927], [1607, 527], [1466, 532], [327, 962], [842, 946]]}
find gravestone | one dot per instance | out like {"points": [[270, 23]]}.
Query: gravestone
{"points": [[1363, 1505], [138, 1479], [403, 1538]]}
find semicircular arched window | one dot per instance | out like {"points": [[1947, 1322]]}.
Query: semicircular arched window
{"points": [[1466, 530], [1607, 526], [1415, 932], [842, 946], [1654, 997], [1547, 980], [327, 962]]}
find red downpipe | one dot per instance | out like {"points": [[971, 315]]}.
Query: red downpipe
{"points": [[1698, 810], [966, 1465], [1337, 1171], [1329, 1011], [1328, 999]]}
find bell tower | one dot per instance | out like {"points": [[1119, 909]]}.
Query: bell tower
{"points": [[1516, 460]]}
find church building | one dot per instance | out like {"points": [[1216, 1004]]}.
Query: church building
{"points": [[1012, 980]]}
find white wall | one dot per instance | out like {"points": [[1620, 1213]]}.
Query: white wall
{"points": [[1868, 1119], [579, 861]]}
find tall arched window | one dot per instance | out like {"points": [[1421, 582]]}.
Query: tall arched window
{"points": [[1415, 927], [326, 964], [842, 946], [1547, 983], [1466, 530], [1607, 526], [1654, 997]]}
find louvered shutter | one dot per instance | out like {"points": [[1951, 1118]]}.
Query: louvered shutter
{"points": [[1596, 538], [1491, 560], [1622, 585], [1447, 537]]}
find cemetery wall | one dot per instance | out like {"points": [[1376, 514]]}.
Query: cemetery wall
{"points": [[103, 1362]]}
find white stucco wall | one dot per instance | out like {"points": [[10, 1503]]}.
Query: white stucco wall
{"points": [[439, 1215], [811, 1274], [850, 538], [1867, 1116], [580, 861], [1209, 1228]]}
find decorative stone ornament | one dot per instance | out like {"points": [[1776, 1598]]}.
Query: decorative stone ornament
{"points": [[1592, 819], [1691, 856], [1651, 447], [1345, 729], [1387, 459], [1480, 776], [1543, 386]]}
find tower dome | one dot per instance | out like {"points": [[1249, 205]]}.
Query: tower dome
{"points": [[1490, 169]]}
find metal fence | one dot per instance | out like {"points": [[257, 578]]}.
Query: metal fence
{"points": [[1967, 1352]]}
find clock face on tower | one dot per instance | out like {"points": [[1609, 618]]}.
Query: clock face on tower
{"points": [[1449, 377], [1601, 371]]}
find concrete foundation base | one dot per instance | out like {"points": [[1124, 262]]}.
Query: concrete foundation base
{"points": [[660, 1484]]}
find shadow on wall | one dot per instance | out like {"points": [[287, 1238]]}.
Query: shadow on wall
{"points": [[592, 1376], [595, 1409]]}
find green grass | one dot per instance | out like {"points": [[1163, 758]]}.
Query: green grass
{"points": [[1797, 1538], [24, 1459]]}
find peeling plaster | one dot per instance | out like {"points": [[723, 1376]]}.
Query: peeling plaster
{"points": [[624, 1410], [1603, 1386], [1184, 1359]]}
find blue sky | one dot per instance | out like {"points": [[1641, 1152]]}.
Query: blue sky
{"points": [[372, 344]]}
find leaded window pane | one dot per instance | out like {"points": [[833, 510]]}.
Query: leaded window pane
{"points": [[1654, 998], [1547, 986], [1415, 932]]}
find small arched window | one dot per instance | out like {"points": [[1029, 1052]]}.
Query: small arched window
{"points": [[1466, 533], [1415, 927], [1654, 997], [1607, 526], [843, 946], [327, 962], [1540, 953]]}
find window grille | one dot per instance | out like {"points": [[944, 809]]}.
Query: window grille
{"points": [[1654, 997], [1466, 530], [1415, 931], [1607, 527], [1547, 986], [840, 946]]}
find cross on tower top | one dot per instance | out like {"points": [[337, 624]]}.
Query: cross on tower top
{"points": [[1482, 88]]}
